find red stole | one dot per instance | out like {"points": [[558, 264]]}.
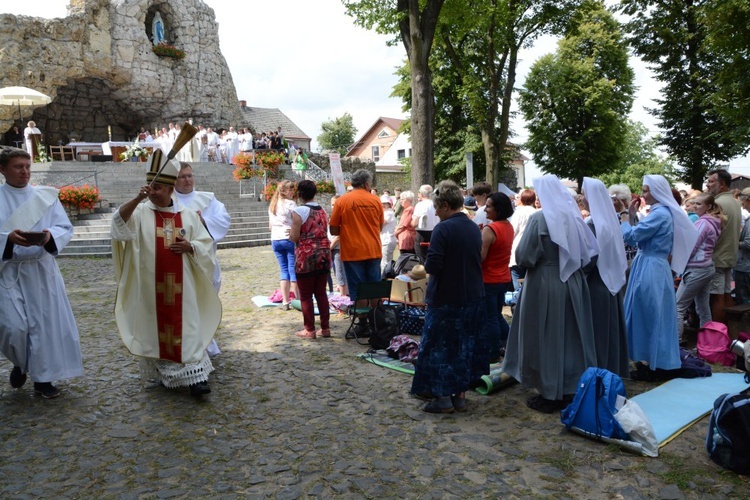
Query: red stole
{"points": [[168, 286]]}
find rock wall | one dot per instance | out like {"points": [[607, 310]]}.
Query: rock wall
{"points": [[98, 66]]}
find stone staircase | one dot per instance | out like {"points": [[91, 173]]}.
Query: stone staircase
{"points": [[119, 182]]}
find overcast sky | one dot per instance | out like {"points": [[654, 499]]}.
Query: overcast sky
{"points": [[308, 59]]}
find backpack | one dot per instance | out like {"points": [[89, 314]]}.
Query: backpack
{"points": [[728, 440], [404, 264], [593, 407], [692, 365], [713, 344], [383, 321]]}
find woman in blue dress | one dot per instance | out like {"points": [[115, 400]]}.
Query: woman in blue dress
{"points": [[650, 304], [453, 352]]}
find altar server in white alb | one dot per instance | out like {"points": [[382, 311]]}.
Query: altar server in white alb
{"points": [[214, 216], [38, 332], [166, 309]]}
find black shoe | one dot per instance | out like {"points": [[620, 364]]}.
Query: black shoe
{"points": [[439, 405], [643, 373], [544, 405], [46, 390], [362, 331], [17, 378], [199, 389]]}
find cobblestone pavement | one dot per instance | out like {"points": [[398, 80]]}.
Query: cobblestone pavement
{"points": [[289, 418]]}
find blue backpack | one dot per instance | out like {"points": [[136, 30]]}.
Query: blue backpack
{"points": [[593, 407]]}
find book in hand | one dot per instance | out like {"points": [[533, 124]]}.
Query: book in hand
{"points": [[34, 237]]}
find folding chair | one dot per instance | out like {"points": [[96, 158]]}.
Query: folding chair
{"points": [[369, 290]]}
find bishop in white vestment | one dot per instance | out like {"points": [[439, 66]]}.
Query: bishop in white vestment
{"points": [[166, 309]]}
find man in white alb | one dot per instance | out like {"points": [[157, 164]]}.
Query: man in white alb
{"points": [[38, 332], [213, 214]]}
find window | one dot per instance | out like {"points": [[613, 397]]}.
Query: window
{"points": [[383, 133], [409, 151], [376, 153], [401, 154]]}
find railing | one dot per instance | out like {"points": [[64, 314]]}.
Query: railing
{"points": [[314, 173]]}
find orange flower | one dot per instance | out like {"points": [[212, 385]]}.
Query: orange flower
{"points": [[79, 196]]}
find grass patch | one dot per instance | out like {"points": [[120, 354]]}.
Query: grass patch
{"points": [[682, 472], [562, 458]]}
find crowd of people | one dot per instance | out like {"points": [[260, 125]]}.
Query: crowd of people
{"points": [[596, 273], [210, 145]]}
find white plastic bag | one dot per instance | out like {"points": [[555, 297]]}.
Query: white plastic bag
{"points": [[633, 421]]}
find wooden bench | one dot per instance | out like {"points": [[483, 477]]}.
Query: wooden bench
{"points": [[736, 319], [61, 153]]}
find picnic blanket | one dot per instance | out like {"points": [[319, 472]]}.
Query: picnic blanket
{"points": [[495, 381]]}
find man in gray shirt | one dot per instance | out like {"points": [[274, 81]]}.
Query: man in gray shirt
{"points": [[725, 251]]}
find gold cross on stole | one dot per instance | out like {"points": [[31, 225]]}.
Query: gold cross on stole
{"points": [[169, 288], [167, 338]]}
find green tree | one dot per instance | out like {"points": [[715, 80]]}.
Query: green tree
{"points": [[640, 157], [338, 134], [455, 132], [482, 49], [576, 101], [728, 38], [473, 65], [670, 35], [415, 22]]}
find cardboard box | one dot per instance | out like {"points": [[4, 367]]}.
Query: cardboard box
{"points": [[408, 291]]}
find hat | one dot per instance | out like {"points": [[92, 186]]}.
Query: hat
{"points": [[417, 272], [168, 175], [470, 203], [386, 199], [745, 192]]}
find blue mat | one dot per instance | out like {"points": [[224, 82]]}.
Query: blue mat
{"points": [[676, 405]]}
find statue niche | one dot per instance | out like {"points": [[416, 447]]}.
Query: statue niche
{"points": [[157, 30]]}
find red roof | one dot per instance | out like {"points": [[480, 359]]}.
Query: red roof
{"points": [[394, 123]]}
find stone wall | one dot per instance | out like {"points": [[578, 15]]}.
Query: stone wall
{"points": [[98, 66]]}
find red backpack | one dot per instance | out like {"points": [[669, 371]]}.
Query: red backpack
{"points": [[713, 344]]}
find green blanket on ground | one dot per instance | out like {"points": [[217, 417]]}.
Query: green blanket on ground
{"points": [[495, 381]]}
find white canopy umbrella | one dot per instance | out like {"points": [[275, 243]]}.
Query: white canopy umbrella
{"points": [[22, 96]]}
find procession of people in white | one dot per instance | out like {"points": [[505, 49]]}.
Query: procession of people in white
{"points": [[211, 146]]}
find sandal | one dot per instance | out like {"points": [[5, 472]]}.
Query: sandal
{"points": [[304, 334], [544, 405]]}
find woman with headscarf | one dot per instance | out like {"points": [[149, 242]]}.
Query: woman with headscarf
{"points": [[606, 280], [551, 340], [650, 304]]}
